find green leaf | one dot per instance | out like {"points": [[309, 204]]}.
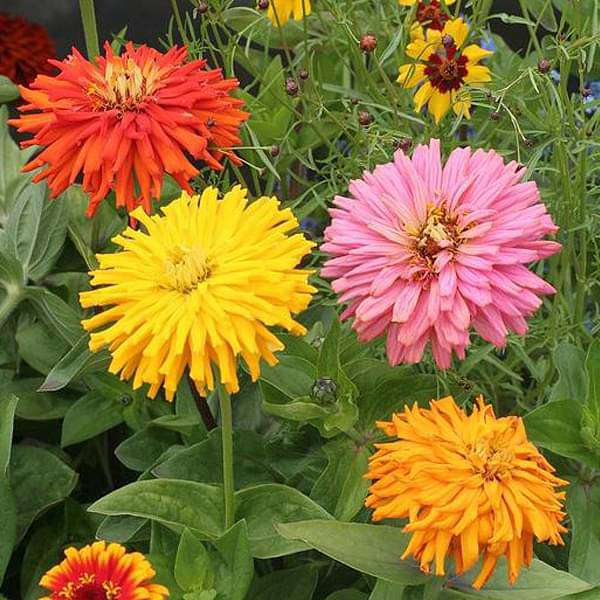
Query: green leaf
{"points": [[371, 549], [8, 90], [384, 590], [592, 367], [341, 488], [583, 506], [119, 528], [34, 405], [291, 584], [140, 451], [38, 345], [264, 506], [193, 569], [543, 10], [91, 415], [77, 361], [348, 594], [8, 524], [37, 228], [39, 480], [234, 567], [8, 405], [171, 502], [539, 582], [556, 426], [572, 380]]}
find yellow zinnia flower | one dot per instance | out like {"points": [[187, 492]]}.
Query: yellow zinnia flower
{"points": [[101, 571], [468, 484], [199, 287], [282, 10], [443, 69]]}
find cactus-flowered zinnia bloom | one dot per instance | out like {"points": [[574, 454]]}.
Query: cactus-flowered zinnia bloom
{"points": [[423, 252], [102, 572], [469, 485], [200, 286], [24, 49], [124, 121], [281, 11], [443, 68]]}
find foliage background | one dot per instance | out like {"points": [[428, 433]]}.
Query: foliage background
{"points": [[71, 436]]}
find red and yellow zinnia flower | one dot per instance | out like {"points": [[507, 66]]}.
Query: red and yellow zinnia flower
{"points": [[25, 49], [469, 485], [443, 69], [200, 287], [281, 11], [102, 572], [125, 121]]}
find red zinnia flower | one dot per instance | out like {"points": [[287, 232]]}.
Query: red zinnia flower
{"points": [[24, 49], [126, 120]]}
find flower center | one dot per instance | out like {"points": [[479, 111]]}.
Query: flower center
{"points": [[491, 459], [431, 15], [124, 85], [446, 69], [440, 231], [187, 268], [87, 588]]}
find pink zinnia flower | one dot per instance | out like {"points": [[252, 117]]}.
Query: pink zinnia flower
{"points": [[423, 252]]}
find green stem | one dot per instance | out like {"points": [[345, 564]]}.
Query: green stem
{"points": [[10, 302], [179, 22], [227, 442], [90, 29]]}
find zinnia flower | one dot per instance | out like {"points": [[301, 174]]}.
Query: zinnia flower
{"points": [[443, 69], [200, 286], [423, 252], [104, 573], [280, 11], [24, 50], [126, 120], [468, 485]]}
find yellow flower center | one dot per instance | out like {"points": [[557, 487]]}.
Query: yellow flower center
{"points": [[187, 268], [491, 459], [439, 231], [86, 588], [124, 86]]}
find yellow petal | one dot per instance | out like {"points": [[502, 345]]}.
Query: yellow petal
{"points": [[411, 75], [475, 53], [418, 49], [439, 105], [408, 2], [417, 32], [422, 96], [458, 29], [462, 105], [477, 74]]}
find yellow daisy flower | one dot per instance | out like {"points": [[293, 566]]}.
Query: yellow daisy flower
{"points": [[199, 287], [469, 485], [282, 10], [443, 69], [102, 571]]}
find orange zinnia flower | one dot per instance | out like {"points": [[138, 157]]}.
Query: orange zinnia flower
{"points": [[25, 49], [468, 484], [103, 572], [126, 120]]}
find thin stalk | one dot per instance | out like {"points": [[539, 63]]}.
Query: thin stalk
{"points": [[227, 443], [90, 29], [179, 22], [10, 302]]}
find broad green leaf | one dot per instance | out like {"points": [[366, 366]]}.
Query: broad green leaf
{"points": [[8, 524], [163, 551], [384, 590], [141, 450], [193, 570], [234, 568], [371, 549], [291, 584], [592, 366], [37, 406], [557, 427], [77, 361], [348, 594], [38, 345], [342, 489], [539, 582], [91, 415], [171, 502], [543, 12], [120, 529], [265, 506], [572, 380], [39, 480], [8, 405], [8, 90], [583, 506]]}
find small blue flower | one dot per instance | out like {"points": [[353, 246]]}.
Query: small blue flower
{"points": [[594, 95], [555, 75], [487, 43]]}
